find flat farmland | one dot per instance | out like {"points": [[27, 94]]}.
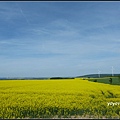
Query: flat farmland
{"points": [[65, 98]]}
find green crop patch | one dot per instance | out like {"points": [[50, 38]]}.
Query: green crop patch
{"points": [[106, 80]]}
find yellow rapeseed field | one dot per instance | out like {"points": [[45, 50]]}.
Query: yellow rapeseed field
{"points": [[63, 98]]}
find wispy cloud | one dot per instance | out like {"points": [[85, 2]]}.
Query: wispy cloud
{"points": [[23, 14]]}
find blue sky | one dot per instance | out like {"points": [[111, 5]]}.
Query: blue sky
{"points": [[45, 39]]}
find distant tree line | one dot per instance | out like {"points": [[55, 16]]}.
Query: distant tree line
{"points": [[62, 78]]}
